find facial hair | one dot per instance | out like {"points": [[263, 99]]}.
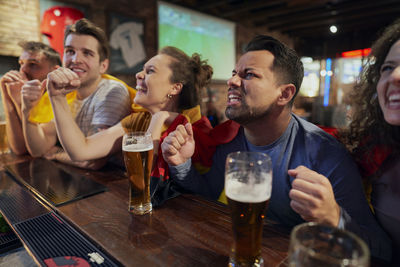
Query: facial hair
{"points": [[245, 114]]}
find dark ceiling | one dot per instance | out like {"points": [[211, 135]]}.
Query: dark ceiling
{"points": [[308, 21]]}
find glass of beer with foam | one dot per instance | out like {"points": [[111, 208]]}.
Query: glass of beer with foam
{"points": [[137, 148], [248, 185]]}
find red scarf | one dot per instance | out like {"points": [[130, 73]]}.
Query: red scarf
{"points": [[206, 141]]}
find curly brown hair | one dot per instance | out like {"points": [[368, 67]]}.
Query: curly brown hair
{"points": [[368, 128]]}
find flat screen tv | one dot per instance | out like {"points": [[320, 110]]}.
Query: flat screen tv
{"points": [[194, 32]]}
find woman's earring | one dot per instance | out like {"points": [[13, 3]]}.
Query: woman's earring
{"points": [[169, 96]]}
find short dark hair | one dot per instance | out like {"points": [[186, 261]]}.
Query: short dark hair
{"points": [[38, 47], [192, 72], [286, 64], [86, 27]]}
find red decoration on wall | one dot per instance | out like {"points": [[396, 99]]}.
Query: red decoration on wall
{"points": [[54, 21]]}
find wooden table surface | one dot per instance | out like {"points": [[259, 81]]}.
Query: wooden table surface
{"points": [[185, 231]]}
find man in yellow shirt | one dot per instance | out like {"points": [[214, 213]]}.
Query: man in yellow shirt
{"points": [[98, 102], [36, 61]]}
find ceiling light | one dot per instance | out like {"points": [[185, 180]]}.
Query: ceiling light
{"points": [[333, 29]]}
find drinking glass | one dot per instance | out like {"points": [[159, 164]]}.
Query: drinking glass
{"points": [[248, 185], [3, 138], [137, 148], [313, 244]]}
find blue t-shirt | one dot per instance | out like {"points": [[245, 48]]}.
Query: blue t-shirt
{"points": [[305, 144]]}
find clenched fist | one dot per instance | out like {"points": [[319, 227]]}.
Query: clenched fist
{"points": [[31, 92], [178, 146], [62, 81]]}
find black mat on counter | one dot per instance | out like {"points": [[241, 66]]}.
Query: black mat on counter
{"points": [[52, 183], [50, 239], [9, 241], [53, 242]]}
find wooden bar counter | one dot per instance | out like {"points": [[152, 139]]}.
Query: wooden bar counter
{"points": [[185, 231]]}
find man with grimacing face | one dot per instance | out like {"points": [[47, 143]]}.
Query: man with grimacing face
{"points": [[314, 178]]}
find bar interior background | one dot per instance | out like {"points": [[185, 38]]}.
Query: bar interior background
{"points": [[332, 60]]}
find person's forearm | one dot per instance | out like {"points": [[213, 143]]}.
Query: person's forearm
{"points": [[13, 126], [63, 157], [36, 140], [155, 128], [76, 145], [14, 131], [188, 178], [69, 134]]}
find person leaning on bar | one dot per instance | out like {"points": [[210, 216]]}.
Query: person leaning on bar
{"points": [[168, 88], [36, 61], [314, 178], [97, 102], [373, 136]]}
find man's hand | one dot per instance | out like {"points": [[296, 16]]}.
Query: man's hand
{"points": [[31, 93], [11, 84], [62, 81], [52, 153], [178, 146], [13, 76], [312, 197]]}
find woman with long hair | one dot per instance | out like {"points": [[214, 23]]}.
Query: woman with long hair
{"points": [[373, 136]]}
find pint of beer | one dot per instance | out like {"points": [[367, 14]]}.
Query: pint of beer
{"points": [[137, 148], [248, 184], [3, 138]]}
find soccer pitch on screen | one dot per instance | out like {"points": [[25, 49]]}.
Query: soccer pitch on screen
{"points": [[194, 32]]}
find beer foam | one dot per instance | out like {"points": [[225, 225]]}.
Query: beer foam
{"points": [[137, 147], [249, 193]]}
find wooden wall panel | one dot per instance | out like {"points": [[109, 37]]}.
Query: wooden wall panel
{"points": [[19, 20]]}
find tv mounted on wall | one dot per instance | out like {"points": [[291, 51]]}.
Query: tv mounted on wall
{"points": [[194, 32]]}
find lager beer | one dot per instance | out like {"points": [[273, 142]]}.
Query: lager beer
{"points": [[248, 184], [138, 157], [247, 213], [3, 138]]}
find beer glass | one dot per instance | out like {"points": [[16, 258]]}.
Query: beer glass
{"points": [[248, 184], [137, 148], [3, 138], [313, 244]]}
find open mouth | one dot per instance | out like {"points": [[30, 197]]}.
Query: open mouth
{"points": [[394, 100], [140, 89], [78, 71], [234, 98]]}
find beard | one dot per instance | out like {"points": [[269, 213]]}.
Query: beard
{"points": [[245, 114]]}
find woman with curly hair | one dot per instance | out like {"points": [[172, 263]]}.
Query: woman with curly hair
{"points": [[373, 136]]}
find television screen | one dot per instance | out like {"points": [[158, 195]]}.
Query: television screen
{"points": [[194, 32]]}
